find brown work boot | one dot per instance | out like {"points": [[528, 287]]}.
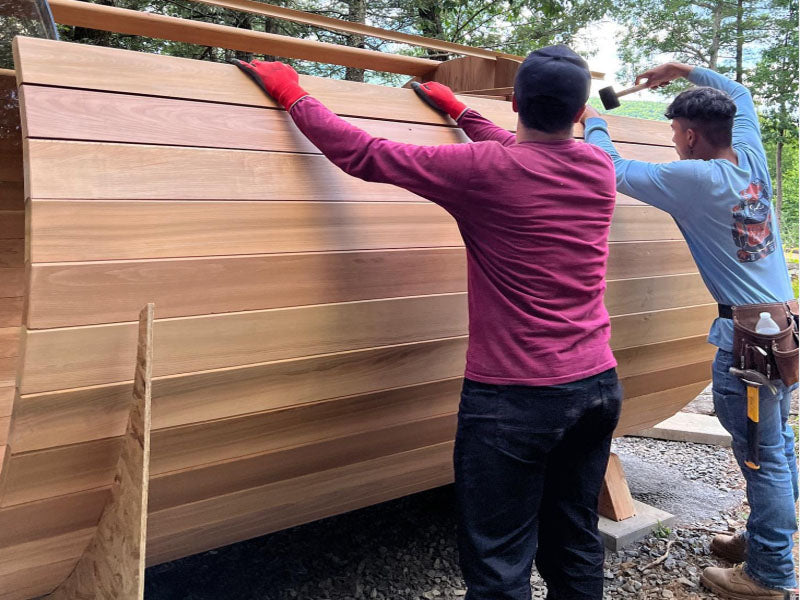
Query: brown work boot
{"points": [[735, 584], [730, 547]]}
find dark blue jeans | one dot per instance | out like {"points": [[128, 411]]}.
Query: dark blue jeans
{"points": [[529, 465]]}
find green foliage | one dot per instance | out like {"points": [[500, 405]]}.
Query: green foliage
{"points": [[790, 176], [638, 109], [661, 531]]}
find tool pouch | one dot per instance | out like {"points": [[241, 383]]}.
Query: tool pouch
{"points": [[776, 355]]}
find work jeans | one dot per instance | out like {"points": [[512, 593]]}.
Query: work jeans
{"points": [[772, 489], [529, 465]]}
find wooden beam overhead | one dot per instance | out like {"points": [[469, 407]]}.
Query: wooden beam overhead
{"points": [[120, 20], [299, 16]]}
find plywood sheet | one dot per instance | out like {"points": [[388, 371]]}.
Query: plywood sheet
{"points": [[112, 565]]}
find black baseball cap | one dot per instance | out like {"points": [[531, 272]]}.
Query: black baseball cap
{"points": [[553, 72]]}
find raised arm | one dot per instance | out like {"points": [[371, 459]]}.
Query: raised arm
{"points": [[438, 173], [667, 186]]}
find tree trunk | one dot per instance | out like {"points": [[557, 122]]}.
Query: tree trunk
{"points": [[356, 13], [778, 179], [244, 21], [739, 38], [430, 23], [716, 34]]}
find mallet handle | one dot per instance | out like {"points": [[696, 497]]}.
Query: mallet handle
{"points": [[632, 90]]}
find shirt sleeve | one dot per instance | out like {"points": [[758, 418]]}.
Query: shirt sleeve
{"points": [[481, 129], [439, 173], [668, 186], [746, 128]]}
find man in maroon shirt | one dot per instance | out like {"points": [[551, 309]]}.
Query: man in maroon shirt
{"points": [[541, 396]]}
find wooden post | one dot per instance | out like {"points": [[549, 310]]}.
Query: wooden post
{"points": [[112, 566], [615, 502]]}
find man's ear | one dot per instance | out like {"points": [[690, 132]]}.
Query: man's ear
{"points": [[691, 137], [577, 117], [514, 103]]}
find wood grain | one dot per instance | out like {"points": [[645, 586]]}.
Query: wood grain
{"points": [[12, 223], [83, 170], [276, 506], [12, 253], [645, 411], [73, 416], [12, 282], [112, 565], [12, 195], [74, 65], [10, 311], [100, 230], [142, 23], [83, 356], [58, 471], [105, 292]]}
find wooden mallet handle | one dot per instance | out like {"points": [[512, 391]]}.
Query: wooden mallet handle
{"points": [[610, 98]]}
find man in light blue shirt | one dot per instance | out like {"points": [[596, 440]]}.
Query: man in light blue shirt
{"points": [[719, 195]]}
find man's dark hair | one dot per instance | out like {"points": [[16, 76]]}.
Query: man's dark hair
{"points": [[551, 86], [708, 111]]}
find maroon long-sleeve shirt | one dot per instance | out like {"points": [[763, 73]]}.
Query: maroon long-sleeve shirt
{"points": [[534, 217]]}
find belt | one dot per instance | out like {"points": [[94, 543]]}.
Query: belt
{"points": [[725, 311]]}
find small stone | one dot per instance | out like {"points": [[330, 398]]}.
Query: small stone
{"points": [[667, 594], [459, 592]]}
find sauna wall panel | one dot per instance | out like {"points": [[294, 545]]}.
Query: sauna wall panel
{"points": [[311, 327]]}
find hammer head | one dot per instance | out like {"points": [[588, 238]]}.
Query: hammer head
{"points": [[609, 98]]}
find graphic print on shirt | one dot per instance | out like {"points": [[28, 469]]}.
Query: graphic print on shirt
{"points": [[752, 231]]}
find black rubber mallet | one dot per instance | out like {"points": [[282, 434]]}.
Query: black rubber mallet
{"points": [[610, 99]]}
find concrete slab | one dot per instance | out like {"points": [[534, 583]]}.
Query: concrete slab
{"points": [[618, 534], [690, 427]]}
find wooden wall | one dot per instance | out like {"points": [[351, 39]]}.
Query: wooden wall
{"points": [[311, 327]]}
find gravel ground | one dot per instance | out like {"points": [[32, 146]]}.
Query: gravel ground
{"points": [[406, 549]]}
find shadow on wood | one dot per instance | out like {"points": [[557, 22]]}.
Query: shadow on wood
{"points": [[112, 566]]}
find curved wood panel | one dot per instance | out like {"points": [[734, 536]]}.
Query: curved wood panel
{"points": [[311, 328]]}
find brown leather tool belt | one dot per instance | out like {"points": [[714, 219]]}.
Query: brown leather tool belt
{"points": [[774, 355]]}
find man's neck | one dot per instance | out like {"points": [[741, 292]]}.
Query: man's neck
{"points": [[525, 134], [719, 153]]}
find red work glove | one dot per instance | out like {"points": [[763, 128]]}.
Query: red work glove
{"points": [[277, 79], [440, 97]]}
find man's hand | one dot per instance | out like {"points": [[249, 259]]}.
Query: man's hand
{"points": [[588, 113], [664, 74], [441, 97], [279, 80]]}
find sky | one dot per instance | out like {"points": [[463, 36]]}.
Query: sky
{"points": [[602, 37]]}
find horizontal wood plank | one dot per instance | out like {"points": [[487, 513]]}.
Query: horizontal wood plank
{"points": [[12, 223], [190, 485], [62, 418], [182, 447], [6, 400], [72, 65], [11, 311], [176, 532], [24, 556], [97, 230], [91, 355], [66, 294], [50, 518], [59, 471], [12, 282], [12, 195], [40, 579], [12, 253], [82, 356], [103, 171], [645, 411], [9, 341]]}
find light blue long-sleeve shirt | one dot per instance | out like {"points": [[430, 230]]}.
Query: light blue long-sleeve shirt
{"points": [[723, 210]]}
